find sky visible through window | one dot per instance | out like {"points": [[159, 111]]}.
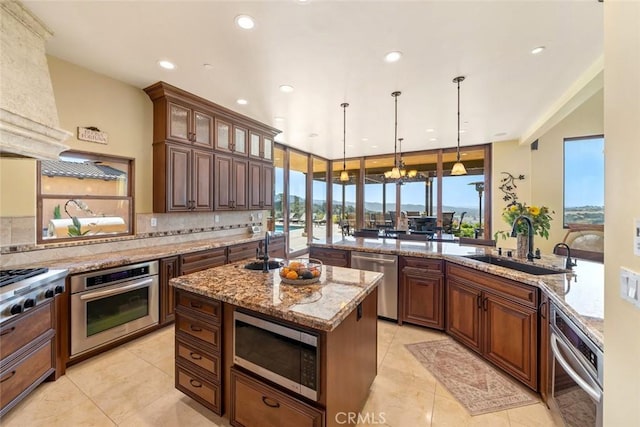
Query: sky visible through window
{"points": [[584, 180]]}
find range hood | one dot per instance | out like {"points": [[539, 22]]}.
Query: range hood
{"points": [[29, 125]]}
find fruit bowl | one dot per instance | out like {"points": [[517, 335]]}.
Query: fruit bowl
{"points": [[301, 271]]}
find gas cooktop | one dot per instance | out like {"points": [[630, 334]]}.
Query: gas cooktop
{"points": [[8, 277]]}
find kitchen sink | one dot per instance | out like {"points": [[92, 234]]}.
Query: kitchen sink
{"points": [[514, 265], [259, 265]]}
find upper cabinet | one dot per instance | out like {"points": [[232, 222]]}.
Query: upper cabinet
{"points": [[185, 178]]}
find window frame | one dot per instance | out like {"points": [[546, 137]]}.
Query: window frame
{"points": [[130, 198], [566, 225]]}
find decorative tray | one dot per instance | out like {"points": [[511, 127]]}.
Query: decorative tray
{"points": [[301, 271]]}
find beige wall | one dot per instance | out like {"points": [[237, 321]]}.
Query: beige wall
{"points": [[622, 201], [85, 98]]}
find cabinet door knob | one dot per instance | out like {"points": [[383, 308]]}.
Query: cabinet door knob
{"points": [[479, 300], [195, 356], [195, 384], [485, 303]]}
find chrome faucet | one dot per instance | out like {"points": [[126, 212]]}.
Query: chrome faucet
{"points": [[569, 263], [514, 233]]}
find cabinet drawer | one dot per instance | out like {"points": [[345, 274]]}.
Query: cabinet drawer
{"points": [[198, 261], [35, 366], [335, 257], [513, 291], [16, 334], [254, 403], [199, 389], [190, 354], [425, 263], [207, 307], [209, 334], [242, 251]]}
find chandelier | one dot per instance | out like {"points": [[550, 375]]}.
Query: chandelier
{"points": [[344, 175], [398, 172]]}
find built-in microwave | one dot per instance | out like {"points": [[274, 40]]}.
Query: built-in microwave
{"points": [[283, 354]]}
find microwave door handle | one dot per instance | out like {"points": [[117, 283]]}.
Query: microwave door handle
{"points": [[102, 294], [594, 393]]}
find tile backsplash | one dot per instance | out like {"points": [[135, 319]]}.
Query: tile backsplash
{"points": [[18, 235]]}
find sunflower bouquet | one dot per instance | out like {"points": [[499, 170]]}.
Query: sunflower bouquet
{"points": [[540, 217]]}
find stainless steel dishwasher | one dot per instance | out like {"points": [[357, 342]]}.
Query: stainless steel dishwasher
{"points": [[388, 289]]}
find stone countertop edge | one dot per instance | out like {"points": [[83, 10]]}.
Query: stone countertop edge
{"points": [[221, 283], [552, 285], [85, 263]]}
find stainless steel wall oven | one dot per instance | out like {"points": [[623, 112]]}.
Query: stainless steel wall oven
{"points": [[107, 305]]}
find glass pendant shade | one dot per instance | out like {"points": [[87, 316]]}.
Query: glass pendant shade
{"points": [[458, 169], [344, 176]]}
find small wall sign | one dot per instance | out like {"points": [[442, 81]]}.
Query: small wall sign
{"points": [[92, 134]]}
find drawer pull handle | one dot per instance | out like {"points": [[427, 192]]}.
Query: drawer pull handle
{"points": [[9, 376], [195, 384], [195, 328], [266, 401], [7, 331], [196, 305], [195, 356]]}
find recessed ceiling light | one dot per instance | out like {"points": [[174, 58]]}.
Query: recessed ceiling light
{"points": [[430, 130], [286, 88], [393, 56], [500, 134], [167, 65], [374, 146], [304, 1], [433, 139], [537, 50], [242, 101], [278, 119], [350, 145], [365, 139], [207, 66], [461, 131], [313, 135], [245, 22]]}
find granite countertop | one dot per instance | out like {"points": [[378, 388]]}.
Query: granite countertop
{"points": [[579, 293], [321, 306], [101, 261]]}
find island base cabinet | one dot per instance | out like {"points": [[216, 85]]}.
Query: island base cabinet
{"points": [[463, 309], [256, 404]]}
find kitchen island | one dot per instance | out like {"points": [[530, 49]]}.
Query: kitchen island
{"points": [[340, 311]]}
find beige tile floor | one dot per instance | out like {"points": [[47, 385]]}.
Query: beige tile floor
{"points": [[133, 385]]}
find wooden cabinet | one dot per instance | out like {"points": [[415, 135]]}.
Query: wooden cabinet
{"points": [[242, 251], [422, 292], [182, 179], [231, 138], [185, 124], [261, 177], [335, 257], [28, 353], [495, 317], [255, 403], [260, 146], [230, 182], [169, 268], [201, 260], [198, 341]]}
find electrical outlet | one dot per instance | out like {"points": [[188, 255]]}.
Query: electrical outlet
{"points": [[251, 217], [154, 222], [216, 218], [260, 215]]}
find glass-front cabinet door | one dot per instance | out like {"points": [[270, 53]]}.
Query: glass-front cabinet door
{"points": [[268, 148], [203, 125], [179, 117], [239, 140], [223, 135], [255, 140]]}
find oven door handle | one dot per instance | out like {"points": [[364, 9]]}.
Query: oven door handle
{"points": [[102, 294], [591, 390]]}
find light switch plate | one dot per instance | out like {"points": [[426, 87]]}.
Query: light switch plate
{"points": [[629, 286], [154, 222]]}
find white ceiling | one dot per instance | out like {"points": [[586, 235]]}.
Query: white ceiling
{"points": [[332, 52]]}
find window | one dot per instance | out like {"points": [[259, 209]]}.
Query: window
{"points": [[82, 196], [298, 171], [583, 181]]}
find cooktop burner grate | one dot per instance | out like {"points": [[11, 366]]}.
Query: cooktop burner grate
{"points": [[11, 276]]}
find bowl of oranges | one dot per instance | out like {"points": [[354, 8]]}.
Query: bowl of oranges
{"points": [[301, 271]]}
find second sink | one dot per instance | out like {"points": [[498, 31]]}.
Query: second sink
{"points": [[514, 265], [259, 265]]}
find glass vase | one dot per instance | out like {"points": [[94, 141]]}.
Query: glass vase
{"points": [[522, 245]]}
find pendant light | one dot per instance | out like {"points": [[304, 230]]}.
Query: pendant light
{"points": [[394, 173], [458, 167], [344, 176]]}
